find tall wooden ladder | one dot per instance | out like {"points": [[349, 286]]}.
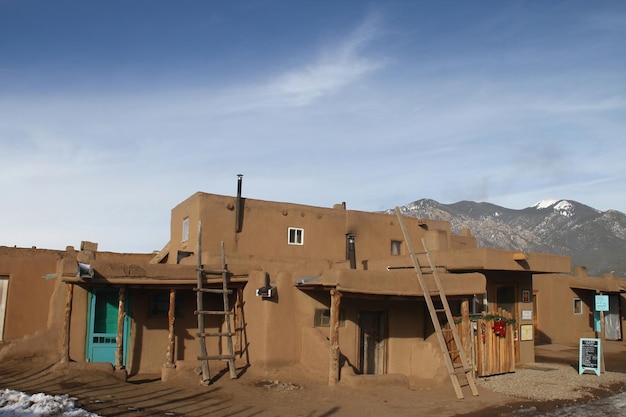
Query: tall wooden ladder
{"points": [[201, 313], [440, 315]]}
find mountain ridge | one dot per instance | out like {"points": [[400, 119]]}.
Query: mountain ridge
{"points": [[592, 238]]}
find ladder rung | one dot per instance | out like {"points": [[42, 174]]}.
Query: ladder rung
{"points": [[203, 334], [440, 310], [215, 313], [447, 329], [213, 271], [216, 357], [213, 290], [454, 351]]}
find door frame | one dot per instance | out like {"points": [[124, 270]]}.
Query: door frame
{"points": [[380, 359], [4, 292]]}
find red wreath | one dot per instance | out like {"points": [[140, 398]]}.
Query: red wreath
{"points": [[499, 328]]}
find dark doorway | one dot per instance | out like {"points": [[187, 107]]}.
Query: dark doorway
{"points": [[373, 326]]}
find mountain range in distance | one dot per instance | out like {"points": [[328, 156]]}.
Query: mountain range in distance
{"points": [[592, 238]]}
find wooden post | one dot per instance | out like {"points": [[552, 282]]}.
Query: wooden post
{"points": [[69, 294], [238, 319], [119, 340], [171, 316], [466, 331], [335, 301]]}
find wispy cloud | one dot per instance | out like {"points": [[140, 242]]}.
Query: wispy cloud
{"points": [[338, 66]]}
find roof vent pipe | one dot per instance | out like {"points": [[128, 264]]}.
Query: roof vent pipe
{"points": [[239, 212]]}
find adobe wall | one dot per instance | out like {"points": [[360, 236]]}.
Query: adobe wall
{"points": [[265, 225], [28, 293], [558, 323]]}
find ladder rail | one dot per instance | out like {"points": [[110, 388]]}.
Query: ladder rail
{"points": [[200, 312], [434, 314], [204, 364], [446, 305], [227, 316]]}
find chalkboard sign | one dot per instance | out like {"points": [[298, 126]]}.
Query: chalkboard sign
{"points": [[590, 355]]}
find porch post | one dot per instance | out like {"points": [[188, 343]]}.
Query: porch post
{"points": [[119, 340], [335, 300], [69, 294], [466, 332], [171, 316]]}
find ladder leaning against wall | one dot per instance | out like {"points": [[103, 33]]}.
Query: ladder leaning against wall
{"points": [[440, 315], [201, 313]]}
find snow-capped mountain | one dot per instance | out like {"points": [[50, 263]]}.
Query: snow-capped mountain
{"points": [[593, 238]]}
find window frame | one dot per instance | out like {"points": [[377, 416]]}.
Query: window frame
{"points": [[185, 231], [577, 306], [396, 248], [322, 317], [298, 236]]}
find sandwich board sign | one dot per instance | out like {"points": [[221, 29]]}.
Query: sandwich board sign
{"points": [[590, 354]]}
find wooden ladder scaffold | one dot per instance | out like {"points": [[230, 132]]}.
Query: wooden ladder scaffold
{"points": [[439, 314], [200, 312]]}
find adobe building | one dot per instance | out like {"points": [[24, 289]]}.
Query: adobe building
{"points": [[286, 267], [31, 296], [565, 307]]}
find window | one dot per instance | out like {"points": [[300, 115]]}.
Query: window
{"points": [[578, 306], [296, 236], [160, 304], [185, 229], [322, 318], [396, 245]]}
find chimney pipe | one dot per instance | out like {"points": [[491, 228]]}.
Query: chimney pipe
{"points": [[350, 250], [239, 212]]}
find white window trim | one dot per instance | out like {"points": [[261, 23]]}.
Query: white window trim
{"points": [[185, 234], [301, 234], [580, 302]]}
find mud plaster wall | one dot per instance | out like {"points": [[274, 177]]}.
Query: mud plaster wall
{"points": [[265, 226], [557, 321], [29, 294]]}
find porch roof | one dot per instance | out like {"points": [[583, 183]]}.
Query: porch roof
{"points": [[486, 259], [606, 284], [394, 282], [108, 273]]}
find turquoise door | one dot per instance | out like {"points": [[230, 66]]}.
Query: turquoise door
{"points": [[102, 334]]}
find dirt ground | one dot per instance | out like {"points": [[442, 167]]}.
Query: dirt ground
{"points": [[290, 392]]}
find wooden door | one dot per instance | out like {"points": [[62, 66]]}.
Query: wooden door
{"points": [[372, 325]]}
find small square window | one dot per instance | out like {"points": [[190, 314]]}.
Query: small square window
{"points": [[396, 246], [322, 318], [578, 306], [296, 236], [185, 229]]}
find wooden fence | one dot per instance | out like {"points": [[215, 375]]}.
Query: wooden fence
{"points": [[492, 343]]}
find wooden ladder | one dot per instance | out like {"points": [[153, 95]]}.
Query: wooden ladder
{"points": [[440, 316], [200, 312]]}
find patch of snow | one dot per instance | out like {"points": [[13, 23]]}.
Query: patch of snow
{"points": [[545, 203], [564, 208], [18, 404]]}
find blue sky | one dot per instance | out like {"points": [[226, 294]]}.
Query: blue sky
{"points": [[113, 112]]}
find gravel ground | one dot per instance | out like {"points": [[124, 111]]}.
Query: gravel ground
{"points": [[554, 382]]}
